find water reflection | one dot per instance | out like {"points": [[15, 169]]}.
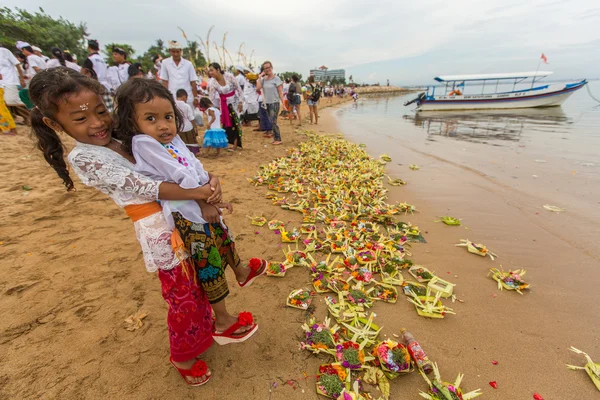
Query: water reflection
{"points": [[488, 125]]}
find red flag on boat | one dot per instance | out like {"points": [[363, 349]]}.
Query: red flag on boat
{"points": [[544, 59]]}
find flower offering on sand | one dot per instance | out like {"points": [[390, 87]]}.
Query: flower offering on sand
{"points": [[276, 269], [393, 358], [331, 380], [430, 306], [383, 292], [290, 237], [350, 355], [440, 390], [258, 221], [296, 258], [396, 181], [276, 225], [476, 248], [366, 257], [319, 337], [449, 220], [308, 228], [321, 282], [421, 274], [592, 368], [300, 298], [511, 280]]}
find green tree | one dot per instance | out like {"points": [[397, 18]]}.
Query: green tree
{"points": [[286, 75], [157, 49], [42, 30], [108, 52], [192, 52]]}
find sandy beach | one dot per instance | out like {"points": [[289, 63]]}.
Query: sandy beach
{"points": [[73, 272]]}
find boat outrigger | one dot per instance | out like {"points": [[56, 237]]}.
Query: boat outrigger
{"points": [[457, 97]]}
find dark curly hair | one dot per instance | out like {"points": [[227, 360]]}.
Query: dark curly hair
{"points": [[47, 88], [129, 94]]}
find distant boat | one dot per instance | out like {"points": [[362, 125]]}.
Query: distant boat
{"points": [[456, 97]]}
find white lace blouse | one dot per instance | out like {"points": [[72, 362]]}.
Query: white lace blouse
{"points": [[231, 85], [114, 175], [155, 161]]}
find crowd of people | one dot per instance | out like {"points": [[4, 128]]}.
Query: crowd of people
{"points": [[238, 97], [136, 141]]}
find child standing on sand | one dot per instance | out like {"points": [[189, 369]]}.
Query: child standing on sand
{"points": [[215, 136], [69, 102], [147, 121]]}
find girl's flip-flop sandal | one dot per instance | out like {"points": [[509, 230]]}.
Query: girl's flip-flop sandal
{"points": [[227, 336], [257, 267], [198, 370]]}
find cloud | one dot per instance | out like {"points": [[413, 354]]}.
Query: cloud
{"points": [[403, 40]]}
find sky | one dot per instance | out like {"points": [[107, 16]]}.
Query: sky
{"points": [[407, 42]]}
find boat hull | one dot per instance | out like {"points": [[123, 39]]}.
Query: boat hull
{"points": [[548, 97]]}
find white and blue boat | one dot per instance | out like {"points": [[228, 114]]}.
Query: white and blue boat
{"points": [[490, 91]]}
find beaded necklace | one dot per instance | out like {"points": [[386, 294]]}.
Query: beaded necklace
{"points": [[175, 154]]}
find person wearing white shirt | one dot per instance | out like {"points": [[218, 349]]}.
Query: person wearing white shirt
{"points": [[178, 73], [189, 132], [12, 77], [38, 52], [96, 63], [59, 60], [239, 75], [118, 74], [36, 63]]}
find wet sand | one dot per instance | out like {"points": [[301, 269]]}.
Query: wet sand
{"points": [[74, 272]]}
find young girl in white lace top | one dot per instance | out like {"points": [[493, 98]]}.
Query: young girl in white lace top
{"points": [[148, 121], [68, 102]]}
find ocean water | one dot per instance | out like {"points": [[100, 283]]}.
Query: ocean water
{"points": [[549, 154]]}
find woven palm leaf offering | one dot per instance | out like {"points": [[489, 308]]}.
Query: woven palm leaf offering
{"points": [[365, 257], [417, 288], [385, 158], [476, 248], [361, 328], [449, 220], [362, 274], [300, 298], [276, 270], [313, 243], [429, 306], [337, 284], [421, 274], [296, 258], [309, 215], [351, 262], [406, 208], [331, 380], [350, 355], [320, 337], [276, 225], [258, 221], [414, 167], [592, 368], [321, 281], [393, 358], [341, 309], [395, 181], [308, 228], [511, 280], [395, 278], [357, 296], [290, 236], [441, 390], [383, 292]]}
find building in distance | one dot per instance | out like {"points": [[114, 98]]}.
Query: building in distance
{"points": [[323, 74]]}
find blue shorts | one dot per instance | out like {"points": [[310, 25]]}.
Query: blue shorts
{"points": [[312, 103]]}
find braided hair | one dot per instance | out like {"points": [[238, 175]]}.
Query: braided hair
{"points": [[46, 90]]}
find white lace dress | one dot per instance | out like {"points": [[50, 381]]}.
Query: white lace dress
{"points": [[113, 174]]}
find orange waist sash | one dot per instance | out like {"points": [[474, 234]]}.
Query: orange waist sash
{"points": [[140, 211]]}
